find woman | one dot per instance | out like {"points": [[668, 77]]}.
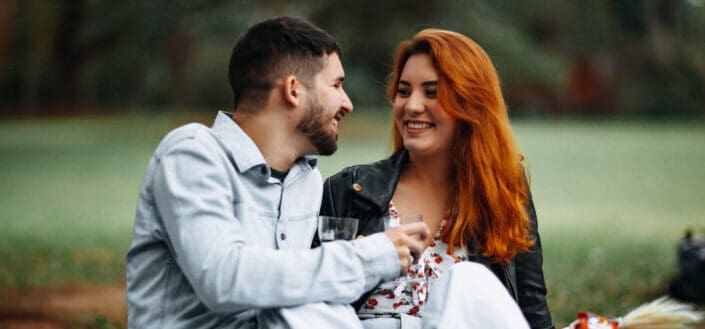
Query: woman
{"points": [[455, 163]]}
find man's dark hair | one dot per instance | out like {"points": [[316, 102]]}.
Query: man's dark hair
{"points": [[275, 48]]}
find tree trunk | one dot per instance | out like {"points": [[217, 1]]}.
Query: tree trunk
{"points": [[7, 12], [69, 59]]}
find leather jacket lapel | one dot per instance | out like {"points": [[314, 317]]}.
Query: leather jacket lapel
{"points": [[373, 187]]}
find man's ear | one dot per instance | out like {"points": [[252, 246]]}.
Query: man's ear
{"points": [[292, 90]]}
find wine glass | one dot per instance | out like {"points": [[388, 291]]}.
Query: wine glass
{"points": [[409, 219], [415, 277], [389, 221], [336, 228]]}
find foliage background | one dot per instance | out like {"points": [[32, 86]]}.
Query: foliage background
{"points": [[643, 58], [607, 99]]}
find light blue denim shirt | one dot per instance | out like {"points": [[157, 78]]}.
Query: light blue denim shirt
{"points": [[216, 237]]}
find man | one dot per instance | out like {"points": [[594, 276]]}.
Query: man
{"points": [[226, 215]]}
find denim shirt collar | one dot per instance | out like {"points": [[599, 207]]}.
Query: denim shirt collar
{"points": [[247, 154]]}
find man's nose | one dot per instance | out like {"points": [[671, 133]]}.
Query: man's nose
{"points": [[347, 104]]}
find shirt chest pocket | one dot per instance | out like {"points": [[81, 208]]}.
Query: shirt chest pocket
{"points": [[266, 228], [258, 226], [300, 230]]}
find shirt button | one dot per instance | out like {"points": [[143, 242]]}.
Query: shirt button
{"points": [[283, 236]]}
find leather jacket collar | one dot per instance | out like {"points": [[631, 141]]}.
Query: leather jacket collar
{"points": [[376, 183]]}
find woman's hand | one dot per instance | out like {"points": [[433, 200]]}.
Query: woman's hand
{"points": [[408, 239]]}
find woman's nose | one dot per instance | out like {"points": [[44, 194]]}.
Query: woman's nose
{"points": [[414, 103]]}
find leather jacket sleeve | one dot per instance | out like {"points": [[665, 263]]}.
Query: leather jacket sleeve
{"points": [[333, 200], [328, 207], [531, 287]]}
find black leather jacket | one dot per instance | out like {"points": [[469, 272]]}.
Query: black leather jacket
{"points": [[364, 192]]}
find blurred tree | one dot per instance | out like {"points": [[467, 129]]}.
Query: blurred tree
{"points": [[369, 31], [52, 52], [7, 13], [585, 57], [518, 37], [656, 73], [74, 49], [40, 22]]}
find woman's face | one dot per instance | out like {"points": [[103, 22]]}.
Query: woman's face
{"points": [[425, 127]]}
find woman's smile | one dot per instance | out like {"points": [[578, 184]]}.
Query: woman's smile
{"points": [[417, 127]]}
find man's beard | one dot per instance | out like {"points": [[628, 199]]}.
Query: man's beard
{"points": [[314, 127]]}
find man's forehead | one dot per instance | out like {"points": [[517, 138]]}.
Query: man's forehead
{"points": [[332, 67]]}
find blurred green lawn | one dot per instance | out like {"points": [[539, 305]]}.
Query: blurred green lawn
{"points": [[613, 199]]}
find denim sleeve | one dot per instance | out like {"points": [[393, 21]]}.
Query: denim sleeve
{"points": [[194, 197]]}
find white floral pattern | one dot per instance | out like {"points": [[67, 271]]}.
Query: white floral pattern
{"points": [[408, 294]]}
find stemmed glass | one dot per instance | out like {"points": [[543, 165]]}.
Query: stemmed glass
{"points": [[415, 276]]}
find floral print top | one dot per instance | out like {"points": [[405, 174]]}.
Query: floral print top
{"points": [[408, 294]]}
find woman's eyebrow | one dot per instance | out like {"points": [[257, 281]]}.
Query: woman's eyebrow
{"points": [[423, 84], [432, 83]]}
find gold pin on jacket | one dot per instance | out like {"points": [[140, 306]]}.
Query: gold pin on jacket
{"points": [[357, 187]]}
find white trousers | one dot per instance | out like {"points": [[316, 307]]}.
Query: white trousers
{"points": [[310, 316], [466, 296], [470, 296]]}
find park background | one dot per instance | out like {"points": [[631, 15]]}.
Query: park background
{"points": [[607, 100]]}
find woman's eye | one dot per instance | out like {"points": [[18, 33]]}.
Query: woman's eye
{"points": [[403, 92], [431, 93]]}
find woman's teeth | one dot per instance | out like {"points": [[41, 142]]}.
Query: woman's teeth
{"points": [[418, 125]]}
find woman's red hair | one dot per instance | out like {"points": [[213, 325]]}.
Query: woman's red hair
{"points": [[490, 191]]}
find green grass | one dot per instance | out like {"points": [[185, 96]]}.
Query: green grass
{"points": [[69, 192], [613, 199]]}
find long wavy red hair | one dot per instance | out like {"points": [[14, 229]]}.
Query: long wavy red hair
{"points": [[490, 199]]}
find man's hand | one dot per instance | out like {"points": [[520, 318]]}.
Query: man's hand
{"points": [[409, 242]]}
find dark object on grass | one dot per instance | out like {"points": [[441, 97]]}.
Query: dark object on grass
{"points": [[689, 283]]}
